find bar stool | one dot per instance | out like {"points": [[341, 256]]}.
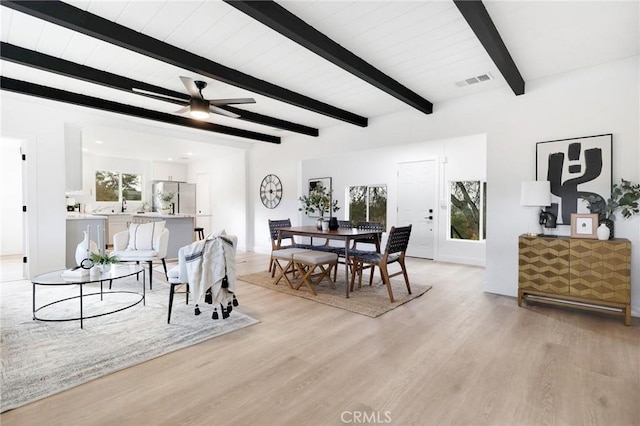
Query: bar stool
{"points": [[199, 232]]}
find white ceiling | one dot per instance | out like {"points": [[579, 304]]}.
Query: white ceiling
{"points": [[425, 45]]}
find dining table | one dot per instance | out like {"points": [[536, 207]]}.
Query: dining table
{"points": [[348, 235]]}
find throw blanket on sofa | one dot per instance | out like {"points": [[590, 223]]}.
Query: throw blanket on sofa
{"points": [[208, 262]]}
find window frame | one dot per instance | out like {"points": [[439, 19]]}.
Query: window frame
{"points": [[482, 208], [120, 186]]}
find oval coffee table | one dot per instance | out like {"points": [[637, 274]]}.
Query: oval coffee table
{"points": [[55, 279]]}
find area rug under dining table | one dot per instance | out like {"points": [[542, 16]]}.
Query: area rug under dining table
{"points": [[39, 359], [371, 301]]}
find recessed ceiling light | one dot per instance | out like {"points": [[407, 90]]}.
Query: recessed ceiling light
{"points": [[170, 159], [98, 142]]}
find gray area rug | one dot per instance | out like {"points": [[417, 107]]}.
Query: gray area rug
{"points": [[371, 301], [42, 358]]}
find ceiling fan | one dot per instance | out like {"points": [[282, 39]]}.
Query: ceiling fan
{"points": [[199, 107]]}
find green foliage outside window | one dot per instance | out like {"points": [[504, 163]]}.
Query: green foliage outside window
{"points": [[131, 187], [109, 185], [468, 208], [368, 204]]}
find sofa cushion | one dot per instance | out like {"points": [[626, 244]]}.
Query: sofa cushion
{"points": [[141, 235], [129, 255]]}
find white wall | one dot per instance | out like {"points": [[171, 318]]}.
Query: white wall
{"points": [[11, 196], [462, 158], [597, 100], [228, 195]]}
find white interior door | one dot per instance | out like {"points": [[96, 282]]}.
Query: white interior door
{"points": [[417, 205], [203, 203]]}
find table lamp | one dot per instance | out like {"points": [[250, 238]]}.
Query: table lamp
{"points": [[535, 194]]}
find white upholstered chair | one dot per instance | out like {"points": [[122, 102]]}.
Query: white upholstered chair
{"points": [[143, 242]]}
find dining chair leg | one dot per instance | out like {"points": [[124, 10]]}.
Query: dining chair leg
{"points": [[386, 280], [404, 273]]}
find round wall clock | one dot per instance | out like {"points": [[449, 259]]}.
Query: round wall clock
{"points": [[271, 191]]}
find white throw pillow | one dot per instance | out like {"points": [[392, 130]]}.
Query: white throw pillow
{"points": [[141, 235]]}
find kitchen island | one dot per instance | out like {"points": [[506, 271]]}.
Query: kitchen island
{"points": [[180, 228]]}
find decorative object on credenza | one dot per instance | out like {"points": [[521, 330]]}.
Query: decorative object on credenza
{"points": [[575, 168], [603, 232], [319, 200], [624, 197], [333, 223], [535, 194], [584, 225]]}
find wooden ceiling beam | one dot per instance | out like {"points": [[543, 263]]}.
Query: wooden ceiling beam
{"points": [[75, 19], [289, 25], [41, 61], [44, 92], [480, 22]]}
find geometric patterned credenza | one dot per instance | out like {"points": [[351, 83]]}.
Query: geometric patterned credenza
{"points": [[582, 273]]}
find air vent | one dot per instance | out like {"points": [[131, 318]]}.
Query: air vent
{"points": [[474, 80]]}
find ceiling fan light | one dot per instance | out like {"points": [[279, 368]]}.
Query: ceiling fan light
{"points": [[199, 109]]}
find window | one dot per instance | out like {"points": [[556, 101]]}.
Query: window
{"points": [[368, 204], [468, 210], [114, 186]]}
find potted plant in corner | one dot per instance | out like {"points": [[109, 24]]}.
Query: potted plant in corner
{"points": [[103, 261], [624, 197], [318, 200]]}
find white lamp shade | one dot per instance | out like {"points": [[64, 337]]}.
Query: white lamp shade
{"points": [[535, 193]]}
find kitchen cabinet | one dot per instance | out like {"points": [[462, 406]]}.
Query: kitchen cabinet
{"points": [[117, 223], [169, 171], [581, 273]]}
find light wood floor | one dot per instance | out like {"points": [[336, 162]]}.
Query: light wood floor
{"points": [[455, 356]]}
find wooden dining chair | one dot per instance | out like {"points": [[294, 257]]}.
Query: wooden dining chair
{"points": [[274, 226], [395, 251]]}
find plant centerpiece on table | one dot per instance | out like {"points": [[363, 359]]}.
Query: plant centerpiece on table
{"points": [[103, 261], [166, 198], [624, 197], [318, 200]]}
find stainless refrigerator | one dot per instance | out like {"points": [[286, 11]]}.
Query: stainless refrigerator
{"points": [[185, 198]]}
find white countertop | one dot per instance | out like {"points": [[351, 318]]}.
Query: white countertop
{"points": [[84, 216], [164, 216]]}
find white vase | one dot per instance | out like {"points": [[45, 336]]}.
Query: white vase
{"points": [[81, 249], [325, 225], [603, 232], [105, 267]]}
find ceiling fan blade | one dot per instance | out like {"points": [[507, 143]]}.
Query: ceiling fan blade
{"points": [[183, 110], [158, 95], [191, 87], [232, 101], [221, 111]]}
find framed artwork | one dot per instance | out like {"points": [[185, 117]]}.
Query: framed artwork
{"points": [[326, 182], [575, 168], [584, 225]]}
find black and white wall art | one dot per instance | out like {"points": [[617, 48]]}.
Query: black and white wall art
{"points": [[576, 168]]}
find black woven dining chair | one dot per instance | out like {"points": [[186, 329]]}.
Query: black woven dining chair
{"points": [[395, 251]]}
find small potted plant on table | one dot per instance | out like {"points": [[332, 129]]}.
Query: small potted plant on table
{"points": [[103, 261], [165, 199]]}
